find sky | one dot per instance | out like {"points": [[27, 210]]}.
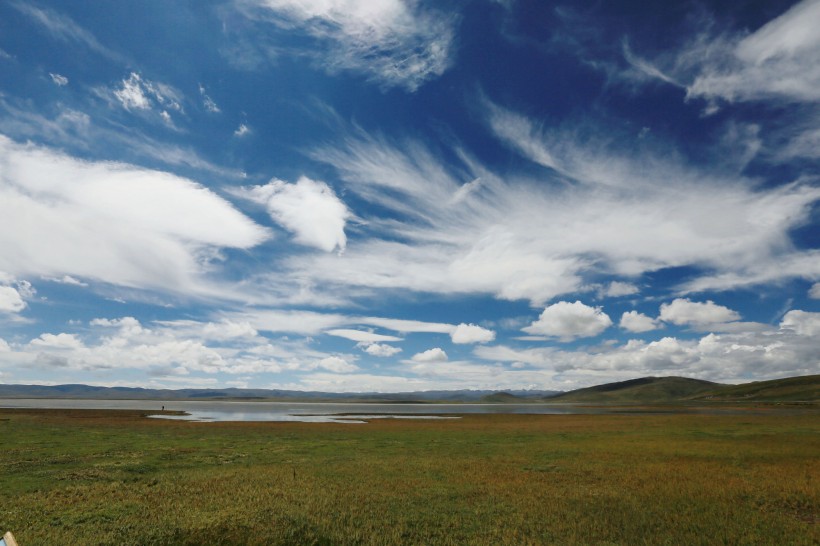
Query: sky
{"points": [[403, 195]]}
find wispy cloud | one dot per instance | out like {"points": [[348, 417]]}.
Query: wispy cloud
{"points": [[111, 222], [777, 61], [242, 130], [76, 130], [603, 206], [63, 28], [58, 79], [208, 102], [395, 43]]}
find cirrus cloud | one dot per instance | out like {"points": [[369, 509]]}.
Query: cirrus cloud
{"points": [[395, 43]]}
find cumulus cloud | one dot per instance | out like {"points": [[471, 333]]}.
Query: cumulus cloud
{"points": [[58, 341], [337, 364], [790, 350], [802, 323], [567, 321], [617, 289], [685, 312], [814, 291], [310, 209], [435, 354], [395, 43], [380, 349], [184, 349], [242, 130], [634, 321], [13, 293], [111, 222], [470, 333], [10, 300]]}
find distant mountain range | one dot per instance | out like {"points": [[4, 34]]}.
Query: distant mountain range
{"points": [[131, 393], [645, 390]]}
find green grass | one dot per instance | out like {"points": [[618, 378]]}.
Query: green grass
{"points": [[646, 390], [683, 390], [89, 477], [790, 389]]}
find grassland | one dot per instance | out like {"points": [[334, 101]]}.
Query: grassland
{"points": [[89, 477]]}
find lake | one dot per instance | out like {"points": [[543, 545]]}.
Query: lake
{"points": [[331, 412], [315, 412]]}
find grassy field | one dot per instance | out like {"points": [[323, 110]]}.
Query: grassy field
{"points": [[89, 477]]}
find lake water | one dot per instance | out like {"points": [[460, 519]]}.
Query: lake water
{"points": [[332, 412], [291, 411]]}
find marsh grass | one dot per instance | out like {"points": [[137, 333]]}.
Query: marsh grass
{"points": [[90, 477]]}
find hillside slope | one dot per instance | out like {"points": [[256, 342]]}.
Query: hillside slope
{"points": [[646, 390], [791, 389]]}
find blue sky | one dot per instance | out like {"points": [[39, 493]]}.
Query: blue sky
{"points": [[387, 195]]}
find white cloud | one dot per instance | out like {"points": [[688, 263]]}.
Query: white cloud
{"points": [[814, 291], [66, 279], [242, 130], [470, 333], [10, 300], [64, 28], [614, 210], [111, 222], [4, 346], [361, 336], [228, 330], [617, 289], [59, 341], [58, 79], [189, 349], [396, 43], [337, 365], [777, 61], [685, 312], [132, 95], [13, 293], [568, 321], [310, 209], [730, 357], [380, 349], [435, 354], [208, 102], [634, 321], [138, 93], [802, 323]]}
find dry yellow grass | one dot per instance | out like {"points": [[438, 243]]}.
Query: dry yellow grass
{"points": [[115, 478]]}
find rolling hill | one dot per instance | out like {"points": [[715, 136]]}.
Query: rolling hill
{"points": [[646, 390], [791, 389], [666, 390]]}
